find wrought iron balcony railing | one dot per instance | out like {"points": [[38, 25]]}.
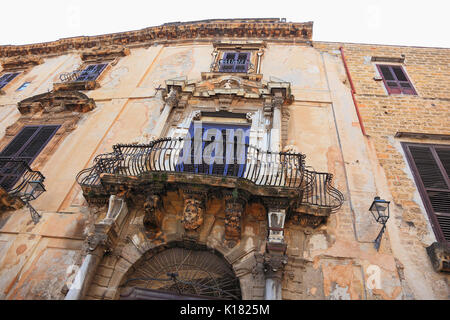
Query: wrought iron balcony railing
{"points": [[262, 168], [70, 76], [16, 174]]}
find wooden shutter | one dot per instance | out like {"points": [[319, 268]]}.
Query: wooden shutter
{"points": [[28, 143], [395, 80], [91, 72], [6, 78], [26, 146], [431, 168]]}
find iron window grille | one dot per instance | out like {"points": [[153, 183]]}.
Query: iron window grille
{"points": [[91, 72], [395, 79], [235, 62], [430, 165]]}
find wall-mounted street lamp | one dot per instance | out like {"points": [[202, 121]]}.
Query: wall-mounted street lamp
{"points": [[380, 212], [32, 191]]}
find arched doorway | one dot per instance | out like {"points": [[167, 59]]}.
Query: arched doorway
{"points": [[180, 273]]}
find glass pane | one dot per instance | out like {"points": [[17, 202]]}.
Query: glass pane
{"points": [[399, 74], [387, 75]]}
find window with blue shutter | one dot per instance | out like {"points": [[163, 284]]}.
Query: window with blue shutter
{"points": [[235, 140], [6, 78], [430, 165], [91, 72], [25, 146], [234, 62]]}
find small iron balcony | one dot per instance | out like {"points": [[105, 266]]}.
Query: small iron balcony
{"points": [[259, 170], [15, 180]]}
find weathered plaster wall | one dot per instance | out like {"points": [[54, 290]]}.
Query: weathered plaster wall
{"points": [[383, 116], [336, 261]]}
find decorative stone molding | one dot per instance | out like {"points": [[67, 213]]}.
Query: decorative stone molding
{"points": [[309, 216], [227, 88], [52, 108], [57, 102], [18, 63], [275, 259], [255, 48], [101, 54], [268, 29], [76, 85], [439, 254]]}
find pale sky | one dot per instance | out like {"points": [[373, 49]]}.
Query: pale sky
{"points": [[397, 22]]}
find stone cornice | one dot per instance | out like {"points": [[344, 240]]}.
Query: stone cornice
{"points": [[261, 29]]}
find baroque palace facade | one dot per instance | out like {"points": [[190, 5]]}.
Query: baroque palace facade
{"points": [[224, 159]]}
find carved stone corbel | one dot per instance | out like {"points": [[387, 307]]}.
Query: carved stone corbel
{"points": [[152, 217], [172, 98], [439, 254], [235, 202], [194, 207]]}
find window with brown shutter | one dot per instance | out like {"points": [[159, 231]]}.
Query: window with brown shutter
{"points": [[26, 146], [395, 79], [430, 165]]}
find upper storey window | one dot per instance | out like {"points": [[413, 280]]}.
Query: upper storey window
{"points": [[395, 80], [6, 78], [91, 72], [431, 169], [234, 62]]}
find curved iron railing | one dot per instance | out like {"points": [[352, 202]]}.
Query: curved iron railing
{"points": [[70, 76], [15, 174], [320, 192], [263, 168]]}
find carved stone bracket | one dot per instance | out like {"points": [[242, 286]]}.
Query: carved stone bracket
{"points": [[106, 232], [309, 216], [152, 218], [439, 254], [172, 97], [194, 206], [234, 208]]}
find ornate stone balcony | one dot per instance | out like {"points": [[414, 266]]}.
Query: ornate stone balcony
{"points": [[259, 174]]}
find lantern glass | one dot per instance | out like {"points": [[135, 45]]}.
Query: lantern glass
{"points": [[33, 190], [380, 210]]}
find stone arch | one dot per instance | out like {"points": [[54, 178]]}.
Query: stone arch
{"points": [[242, 260], [181, 268]]}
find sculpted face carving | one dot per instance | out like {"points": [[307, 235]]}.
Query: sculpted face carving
{"points": [[233, 213], [193, 214]]}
